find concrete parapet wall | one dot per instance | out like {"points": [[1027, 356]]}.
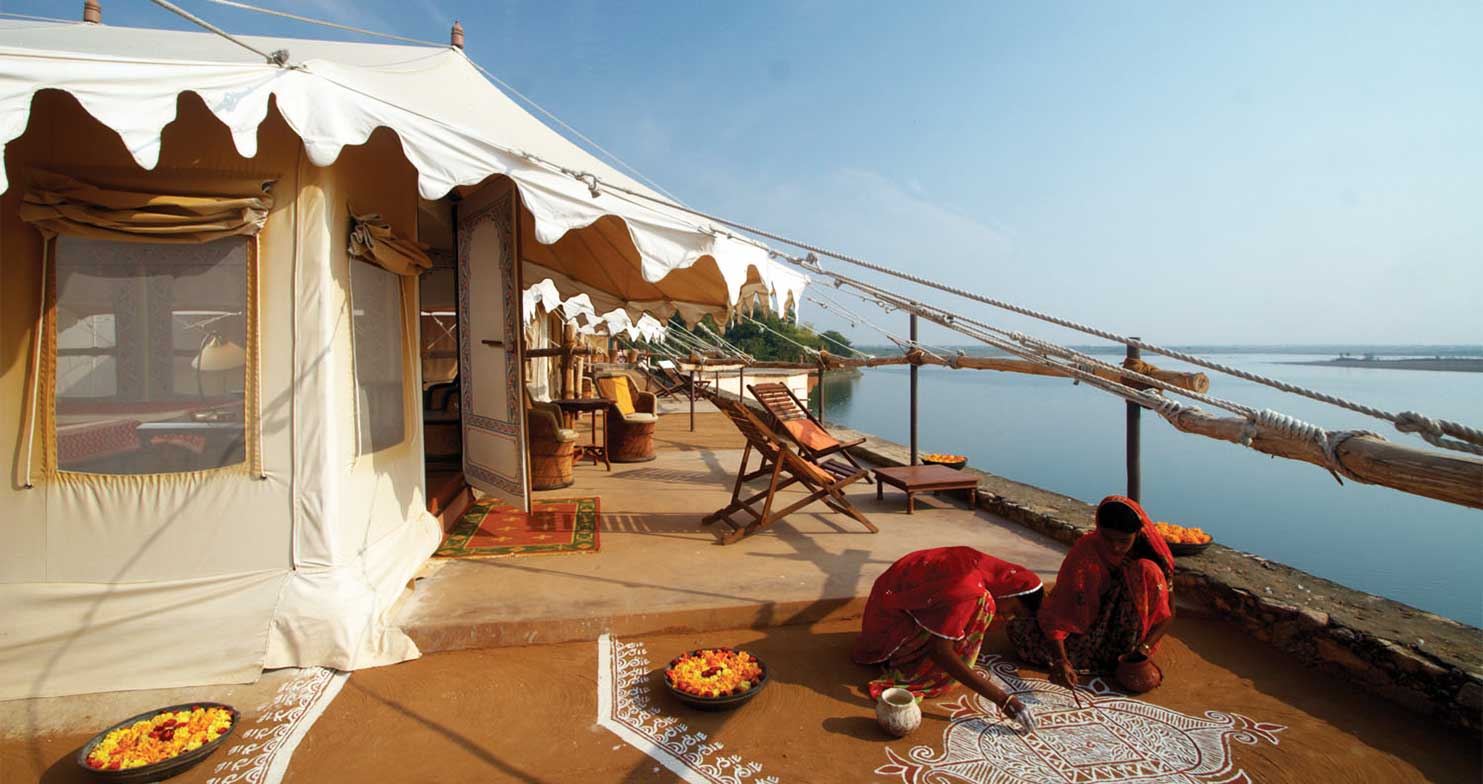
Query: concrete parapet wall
{"points": [[1422, 661]]}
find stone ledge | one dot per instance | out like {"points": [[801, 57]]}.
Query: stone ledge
{"points": [[1427, 663]]}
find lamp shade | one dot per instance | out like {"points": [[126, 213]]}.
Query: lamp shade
{"points": [[218, 353]]}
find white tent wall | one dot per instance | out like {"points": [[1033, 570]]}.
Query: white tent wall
{"points": [[122, 582], [361, 525]]}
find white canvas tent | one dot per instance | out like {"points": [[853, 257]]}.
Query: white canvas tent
{"points": [[213, 461]]}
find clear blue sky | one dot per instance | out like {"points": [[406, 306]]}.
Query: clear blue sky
{"points": [[1232, 173]]}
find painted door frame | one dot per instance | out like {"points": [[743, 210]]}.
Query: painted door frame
{"points": [[491, 334]]}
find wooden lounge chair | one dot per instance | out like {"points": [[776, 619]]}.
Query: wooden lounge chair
{"points": [[669, 370], [661, 385], [791, 416], [784, 467]]}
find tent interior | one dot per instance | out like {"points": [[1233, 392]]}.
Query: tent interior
{"points": [[222, 441]]}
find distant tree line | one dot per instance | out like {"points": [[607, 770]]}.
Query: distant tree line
{"points": [[767, 345]]}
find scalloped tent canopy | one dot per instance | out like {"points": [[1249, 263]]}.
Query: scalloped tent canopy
{"points": [[455, 127]]}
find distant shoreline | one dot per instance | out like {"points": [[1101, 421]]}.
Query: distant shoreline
{"points": [[1446, 364]]}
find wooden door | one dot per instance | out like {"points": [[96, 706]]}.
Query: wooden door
{"points": [[491, 372]]}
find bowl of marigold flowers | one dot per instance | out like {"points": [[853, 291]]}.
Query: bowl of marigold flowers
{"points": [[158, 744], [1182, 540], [715, 679], [951, 461]]}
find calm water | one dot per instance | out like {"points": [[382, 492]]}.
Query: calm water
{"points": [[1053, 434]]}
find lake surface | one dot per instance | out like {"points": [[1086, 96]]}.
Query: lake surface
{"points": [[1067, 438]]}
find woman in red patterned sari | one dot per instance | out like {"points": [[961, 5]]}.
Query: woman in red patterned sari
{"points": [[1111, 599], [926, 617]]}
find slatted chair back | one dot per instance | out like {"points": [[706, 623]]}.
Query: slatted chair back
{"points": [[758, 435], [825, 482]]}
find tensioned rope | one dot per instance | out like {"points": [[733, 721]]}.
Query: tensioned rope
{"points": [[1433, 430], [902, 343], [279, 58], [487, 74], [1326, 441], [724, 342], [809, 349], [940, 352], [34, 18]]}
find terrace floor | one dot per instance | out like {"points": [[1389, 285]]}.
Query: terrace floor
{"points": [[659, 570], [584, 702]]}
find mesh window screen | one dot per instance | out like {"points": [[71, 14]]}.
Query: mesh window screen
{"points": [[151, 365], [377, 297]]}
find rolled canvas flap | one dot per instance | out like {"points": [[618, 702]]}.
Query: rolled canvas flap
{"points": [[372, 240], [58, 204]]}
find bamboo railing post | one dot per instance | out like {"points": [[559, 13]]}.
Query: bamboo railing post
{"points": [[1134, 440], [914, 392], [741, 384]]}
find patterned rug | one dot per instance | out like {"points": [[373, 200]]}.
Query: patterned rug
{"points": [[1089, 736], [554, 525]]}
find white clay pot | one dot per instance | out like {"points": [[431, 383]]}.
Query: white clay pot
{"points": [[897, 712]]}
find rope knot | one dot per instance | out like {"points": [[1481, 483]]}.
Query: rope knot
{"points": [[591, 181], [1412, 422]]}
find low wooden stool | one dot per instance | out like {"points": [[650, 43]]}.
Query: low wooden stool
{"points": [[924, 479]]}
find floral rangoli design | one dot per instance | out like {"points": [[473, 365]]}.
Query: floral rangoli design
{"points": [[626, 706], [1092, 735]]}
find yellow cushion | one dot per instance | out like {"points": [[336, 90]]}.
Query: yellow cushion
{"points": [[620, 393]]}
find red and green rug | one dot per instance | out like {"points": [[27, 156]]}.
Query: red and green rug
{"points": [[554, 525]]}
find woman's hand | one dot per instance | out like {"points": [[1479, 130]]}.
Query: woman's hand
{"points": [[1020, 712], [1067, 673]]}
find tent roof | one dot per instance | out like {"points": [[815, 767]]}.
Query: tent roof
{"points": [[456, 128]]}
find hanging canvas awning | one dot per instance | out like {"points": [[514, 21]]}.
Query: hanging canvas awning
{"points": [[455, 127]]}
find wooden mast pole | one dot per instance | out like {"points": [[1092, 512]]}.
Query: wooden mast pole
{"points": [[1134, 439], [914, 369]]}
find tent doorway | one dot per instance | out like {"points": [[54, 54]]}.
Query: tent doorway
{"points": [[491, 370]]}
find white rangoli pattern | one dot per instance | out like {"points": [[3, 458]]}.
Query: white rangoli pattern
{"points": [[1090, 736], [262, 753], [626, 706]]}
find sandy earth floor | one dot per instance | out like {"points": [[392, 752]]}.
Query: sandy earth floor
{"points": [[530, 715]]}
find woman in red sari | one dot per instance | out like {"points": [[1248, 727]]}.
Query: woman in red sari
{"points": [[1111, 599], [926, 617]]}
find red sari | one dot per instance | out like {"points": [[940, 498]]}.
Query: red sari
{"points": [[946, 592], [1087, 577]]}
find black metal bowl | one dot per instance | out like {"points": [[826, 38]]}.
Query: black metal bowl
{"points": [[1188, 549], [160, 770], [725, 702], [956, 465]]}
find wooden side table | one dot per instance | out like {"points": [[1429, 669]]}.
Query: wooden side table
{"points": [[574, 408], [924, 479]]}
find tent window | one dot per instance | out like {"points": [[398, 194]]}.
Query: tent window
{"points": [[377, 300], [150, 365]]}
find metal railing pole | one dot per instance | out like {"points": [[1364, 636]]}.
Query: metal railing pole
{"points": [[1135, 469], [821, 391], [692, 400], [914, 393]]}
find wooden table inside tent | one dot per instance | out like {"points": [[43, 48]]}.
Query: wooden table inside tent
{"points": [[924, 479], [574, 408]]}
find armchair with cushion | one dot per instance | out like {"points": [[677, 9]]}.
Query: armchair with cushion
{"points": [[630, 419], [552, 446]]}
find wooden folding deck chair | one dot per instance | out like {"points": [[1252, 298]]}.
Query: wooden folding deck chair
{"points": [[791, 416], [669, 370], [784, 467], [660, 384]]}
